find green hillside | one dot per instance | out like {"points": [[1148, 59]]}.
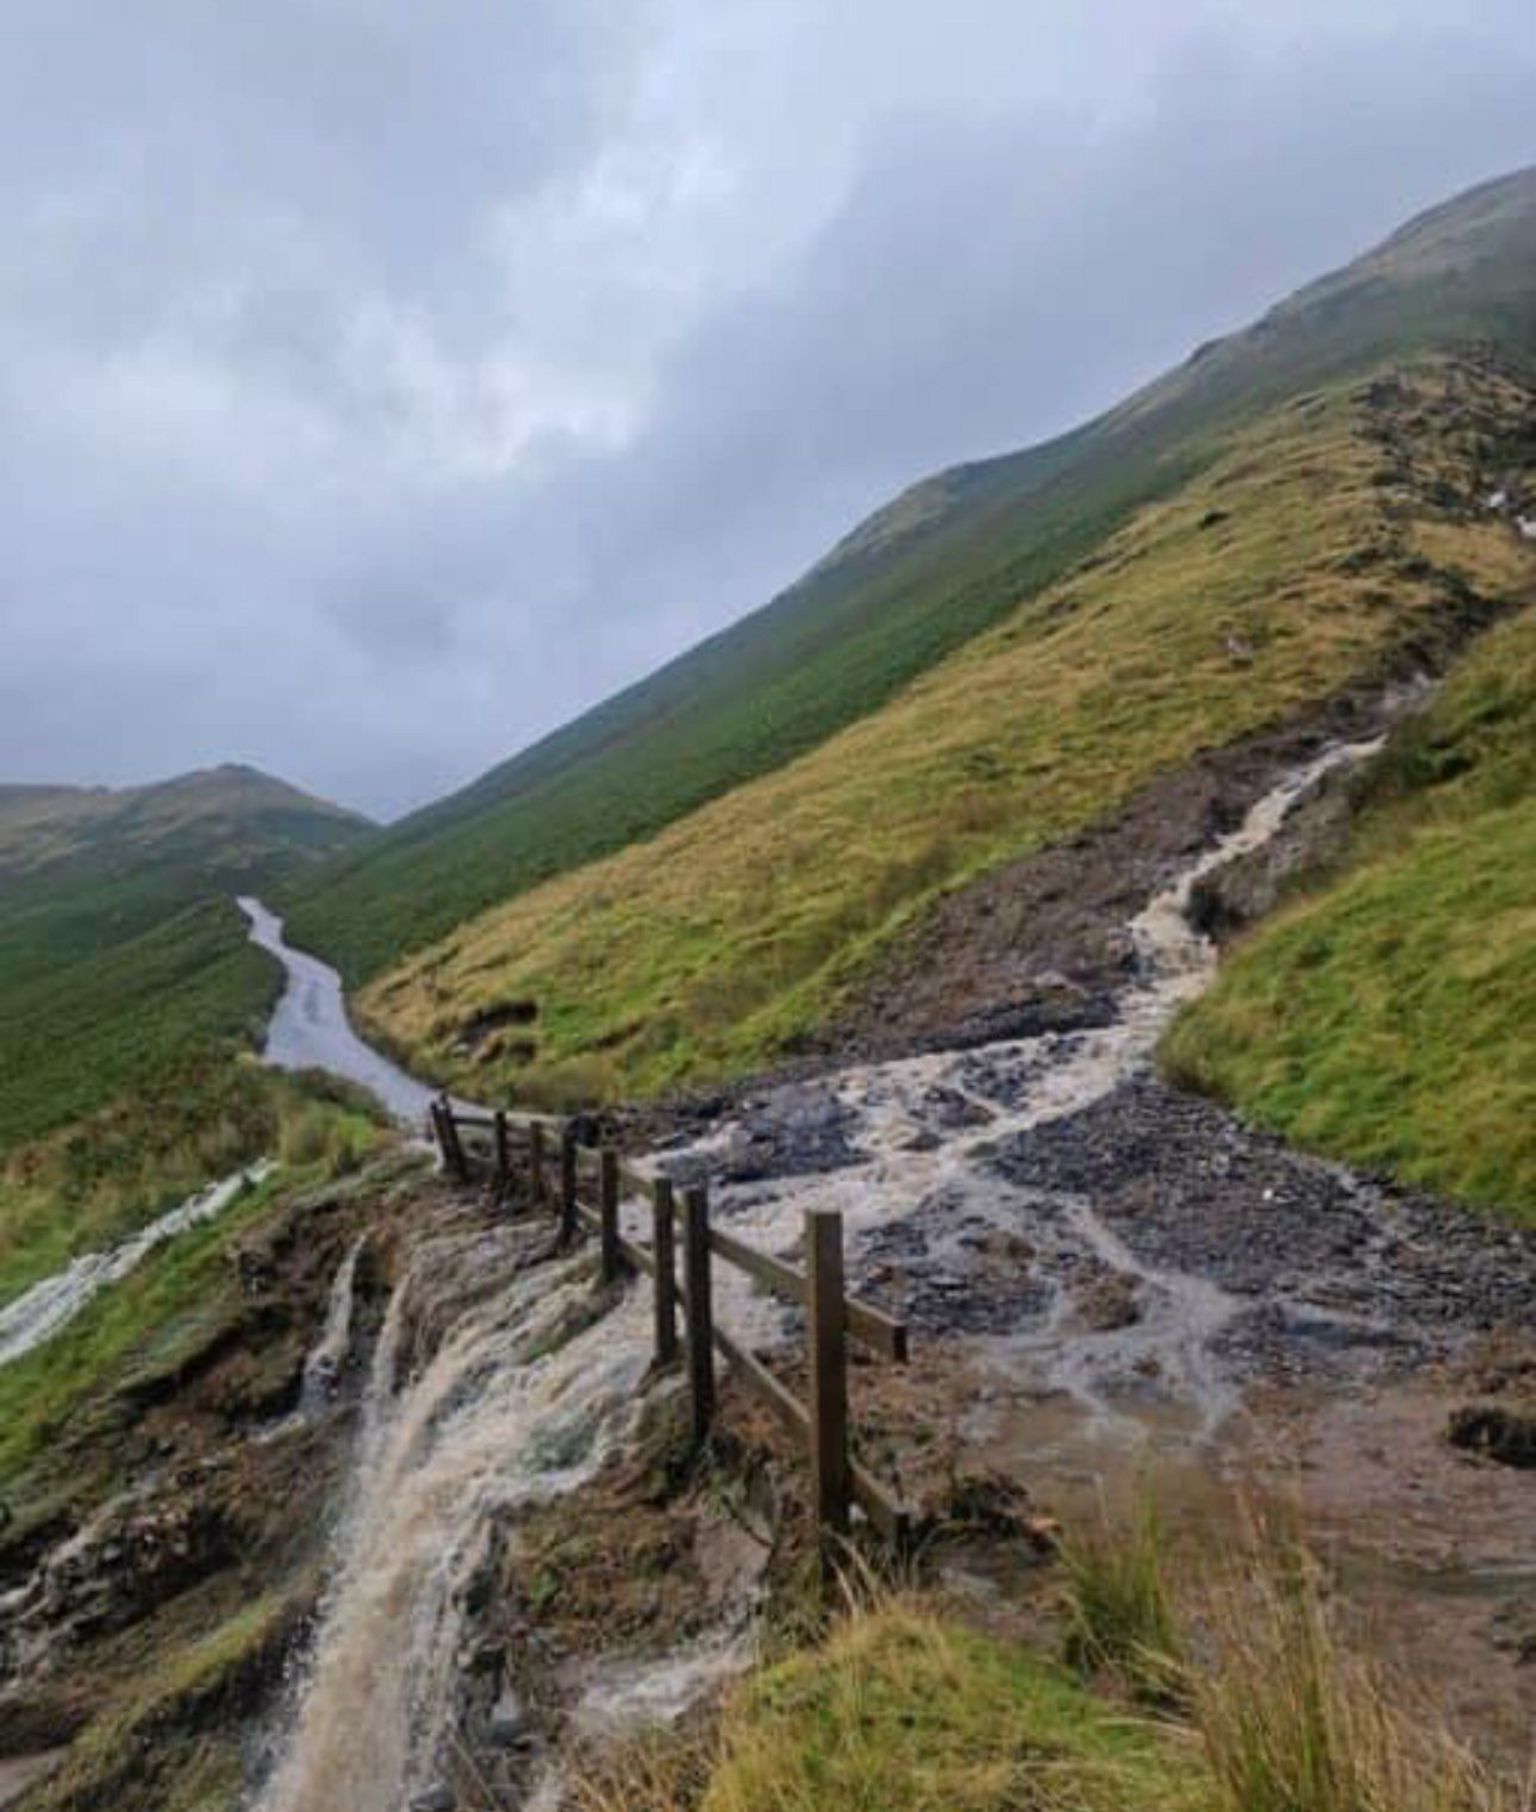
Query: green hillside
{"points": [[1334, 541], [1387, 1016], [84, 868], [948, 560], [120, 951]]}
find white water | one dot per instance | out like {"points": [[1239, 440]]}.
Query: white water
{"points": [[55, 1302], [310, 1029], [958, 1193], [506, 1413], [330, 1353]]}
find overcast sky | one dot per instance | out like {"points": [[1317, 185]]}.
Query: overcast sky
{"points": [[381, 381]]}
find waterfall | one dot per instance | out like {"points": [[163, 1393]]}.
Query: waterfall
{"points": [[523, 1399]]}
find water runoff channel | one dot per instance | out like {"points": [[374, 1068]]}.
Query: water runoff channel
{"points": [[525, 1397]]}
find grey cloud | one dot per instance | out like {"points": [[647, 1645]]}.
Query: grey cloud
{"points": [[379, 384]]}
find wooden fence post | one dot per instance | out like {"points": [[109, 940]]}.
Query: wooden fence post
{"points": [[503, 1154], [828, 1367], [701, 1338], [568, 1186], [610, 1263], [664, 1250], [536, 1162], [453, 1147]]}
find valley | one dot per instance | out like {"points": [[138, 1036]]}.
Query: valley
{"points": [[1108, 879]]}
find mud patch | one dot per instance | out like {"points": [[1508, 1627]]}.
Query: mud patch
{"points": [[1041, 945]]}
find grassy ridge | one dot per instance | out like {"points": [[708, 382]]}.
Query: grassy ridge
{"points": [[942, 564], [82, 870], [75, 1037], [1298, 561], [1387, 1016], [835, 647]]}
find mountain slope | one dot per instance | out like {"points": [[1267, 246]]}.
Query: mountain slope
{"points": [[120, 951], [1386, 1016], [1335, 542], [942, 564]]}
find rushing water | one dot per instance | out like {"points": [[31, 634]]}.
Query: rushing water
{"points": [[914, 1166], [310, 1029], [55, 1302], [523, 1399]]}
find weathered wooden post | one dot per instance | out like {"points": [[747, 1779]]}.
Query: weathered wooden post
{"points": [[610, 1261], [503, 1151], [701, 1333], [567, 1185], [536, 1162], [828, 1366], [453, 1146], [664, 1250]]}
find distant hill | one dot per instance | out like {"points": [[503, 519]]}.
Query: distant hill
{"points": [[82, 868], [119, 946], [939, 566]]}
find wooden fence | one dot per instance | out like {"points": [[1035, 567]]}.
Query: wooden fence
{"points": [[586, 1186]]}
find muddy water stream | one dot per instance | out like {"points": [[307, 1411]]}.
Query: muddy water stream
{"points": [[995, 1261], [522, 1401], [922, 1196], [51, 1305]]}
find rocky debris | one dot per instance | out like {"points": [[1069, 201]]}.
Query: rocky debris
{"points": [[953, 1277], [985, 1501], [1339, 1262], [1496, 1432], [117, 1569], [1109, 1303], [796, 1129], [1243, 891]]}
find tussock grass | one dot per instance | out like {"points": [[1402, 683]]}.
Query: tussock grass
{"points": [[899, 1708], [722, 941], [897, 1705], [1121, 1613], [1385, 1016], [1292, 1721]]}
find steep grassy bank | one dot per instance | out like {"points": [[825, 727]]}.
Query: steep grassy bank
{"points": [[1386, 1016], [1338, 539], [946, 561], [100, 1179]]}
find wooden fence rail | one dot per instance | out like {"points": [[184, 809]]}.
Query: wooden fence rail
{"points": [[832, 1317]]}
